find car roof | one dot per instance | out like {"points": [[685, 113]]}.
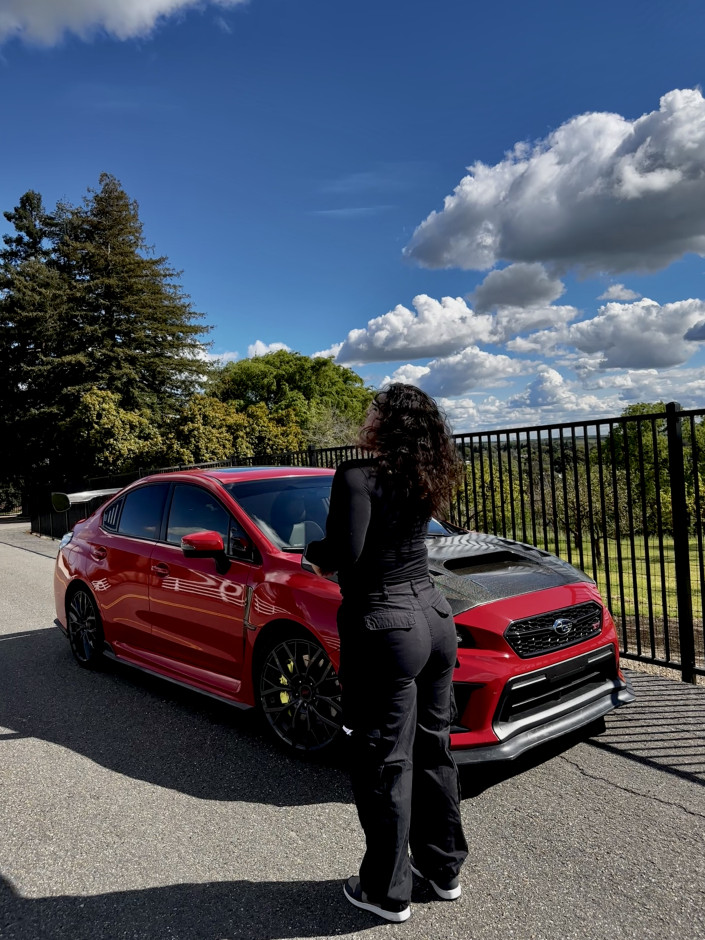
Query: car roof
{"points": [[227, 475], [238, 474]]}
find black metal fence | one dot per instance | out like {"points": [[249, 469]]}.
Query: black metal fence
{"points": [[619, 498]]}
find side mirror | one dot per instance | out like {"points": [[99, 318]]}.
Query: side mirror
{"points": [[206, 545], [242, 547]]}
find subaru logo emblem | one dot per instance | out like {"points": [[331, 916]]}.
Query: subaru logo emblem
{"points": [[562, 626]]}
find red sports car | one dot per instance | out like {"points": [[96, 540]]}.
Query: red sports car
{"points": [[198, 577]]}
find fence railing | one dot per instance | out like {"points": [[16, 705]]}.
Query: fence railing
{"points": [[620, 498]]}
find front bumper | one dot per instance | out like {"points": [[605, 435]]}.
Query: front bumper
{"points": [[532, 737], [547, 703]]}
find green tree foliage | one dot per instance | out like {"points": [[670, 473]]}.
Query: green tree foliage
{"points": [[328, 401], [591, 501], [641, 449], [86, 308], [111, 437], [491, 492], [208, 429]]}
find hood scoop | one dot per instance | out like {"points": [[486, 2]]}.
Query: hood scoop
{"points": [[477, 569]]}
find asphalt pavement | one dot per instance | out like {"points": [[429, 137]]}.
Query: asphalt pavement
{"points": [[130, 808]]}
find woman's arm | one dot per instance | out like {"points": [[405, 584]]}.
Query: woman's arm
{"points": [[347, 523]]}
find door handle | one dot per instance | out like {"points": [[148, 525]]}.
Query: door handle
{"points": [[161, 570], [98, 552]]}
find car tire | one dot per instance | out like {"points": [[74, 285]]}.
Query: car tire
{"points": [[298, 693], [85, 631]]}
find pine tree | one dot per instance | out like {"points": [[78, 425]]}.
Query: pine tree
{"points": [[31, 301], [85, 306], [137, 325]]}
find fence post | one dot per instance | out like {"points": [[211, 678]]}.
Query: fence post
{"points": [[681, 548], [312, 456]]}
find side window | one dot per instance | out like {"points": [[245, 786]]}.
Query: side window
{"points": [[142, 511], [195, 510], [111, 516]]}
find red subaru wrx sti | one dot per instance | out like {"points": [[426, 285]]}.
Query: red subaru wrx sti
{"points": [[197, 577]]}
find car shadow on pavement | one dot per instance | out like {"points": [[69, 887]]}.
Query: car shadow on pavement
{"points": [[224, 910], [150, 729]]}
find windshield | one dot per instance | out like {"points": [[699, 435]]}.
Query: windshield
{"points": [[292, 511]]}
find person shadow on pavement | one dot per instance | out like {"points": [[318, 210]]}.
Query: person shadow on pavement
{"points": [[225, 910]]}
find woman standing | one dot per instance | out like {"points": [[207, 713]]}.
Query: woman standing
{"points": [[397, 652]]}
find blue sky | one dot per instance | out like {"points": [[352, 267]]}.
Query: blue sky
{"points": [[292, 158]]}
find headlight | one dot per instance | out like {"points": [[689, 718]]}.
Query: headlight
{"points": [[65, 539]]}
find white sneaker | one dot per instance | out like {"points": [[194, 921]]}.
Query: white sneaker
{"points": [[354, 893], [447, 890]]}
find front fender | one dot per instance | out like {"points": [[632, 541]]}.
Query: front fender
{"points": [[298, 598]]}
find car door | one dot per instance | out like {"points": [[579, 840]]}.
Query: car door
{"points": [[120, 565], [197, 614]]}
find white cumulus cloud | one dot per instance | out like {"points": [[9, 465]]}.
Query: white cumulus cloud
{"points": [[686, 386], [437, 328], [329, 353], [462, 413], [47, 21], [511, 321], [640, 335], [550, 390], [222, 358], [258, 348], [619, 292], [601, 193], [458, 374]]}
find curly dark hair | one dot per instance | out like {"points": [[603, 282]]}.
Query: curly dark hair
{"points": [[418, 462]]}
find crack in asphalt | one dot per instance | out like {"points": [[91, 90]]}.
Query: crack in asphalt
{"points": [[625, 789]]}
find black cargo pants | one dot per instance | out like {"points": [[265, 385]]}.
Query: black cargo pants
{"points": [[397, 654]]}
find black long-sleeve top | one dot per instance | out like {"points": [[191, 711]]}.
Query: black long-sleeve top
{"points": [[366, 542]]}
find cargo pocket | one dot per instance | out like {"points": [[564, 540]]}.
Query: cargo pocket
{"points": [[441, 605], [389, 620]]}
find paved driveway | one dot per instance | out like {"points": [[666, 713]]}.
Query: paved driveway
{"points": [[132, 809]]}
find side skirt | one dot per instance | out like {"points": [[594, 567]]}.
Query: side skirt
{"points": [[109, 654]]}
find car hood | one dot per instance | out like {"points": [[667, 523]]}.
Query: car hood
{"points": [[474, 568]]}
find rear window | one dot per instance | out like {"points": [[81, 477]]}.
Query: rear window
{"points": [[142, 511], [111, 516]]}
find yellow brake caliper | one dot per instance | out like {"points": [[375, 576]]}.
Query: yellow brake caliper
{"points": [[284, 697]]}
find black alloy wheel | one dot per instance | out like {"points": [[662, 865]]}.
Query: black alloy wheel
{"points": [[299, 694], [85, 630]]}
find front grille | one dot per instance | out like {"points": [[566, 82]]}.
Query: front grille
{"points": [[535, 692], [556, 630]]}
